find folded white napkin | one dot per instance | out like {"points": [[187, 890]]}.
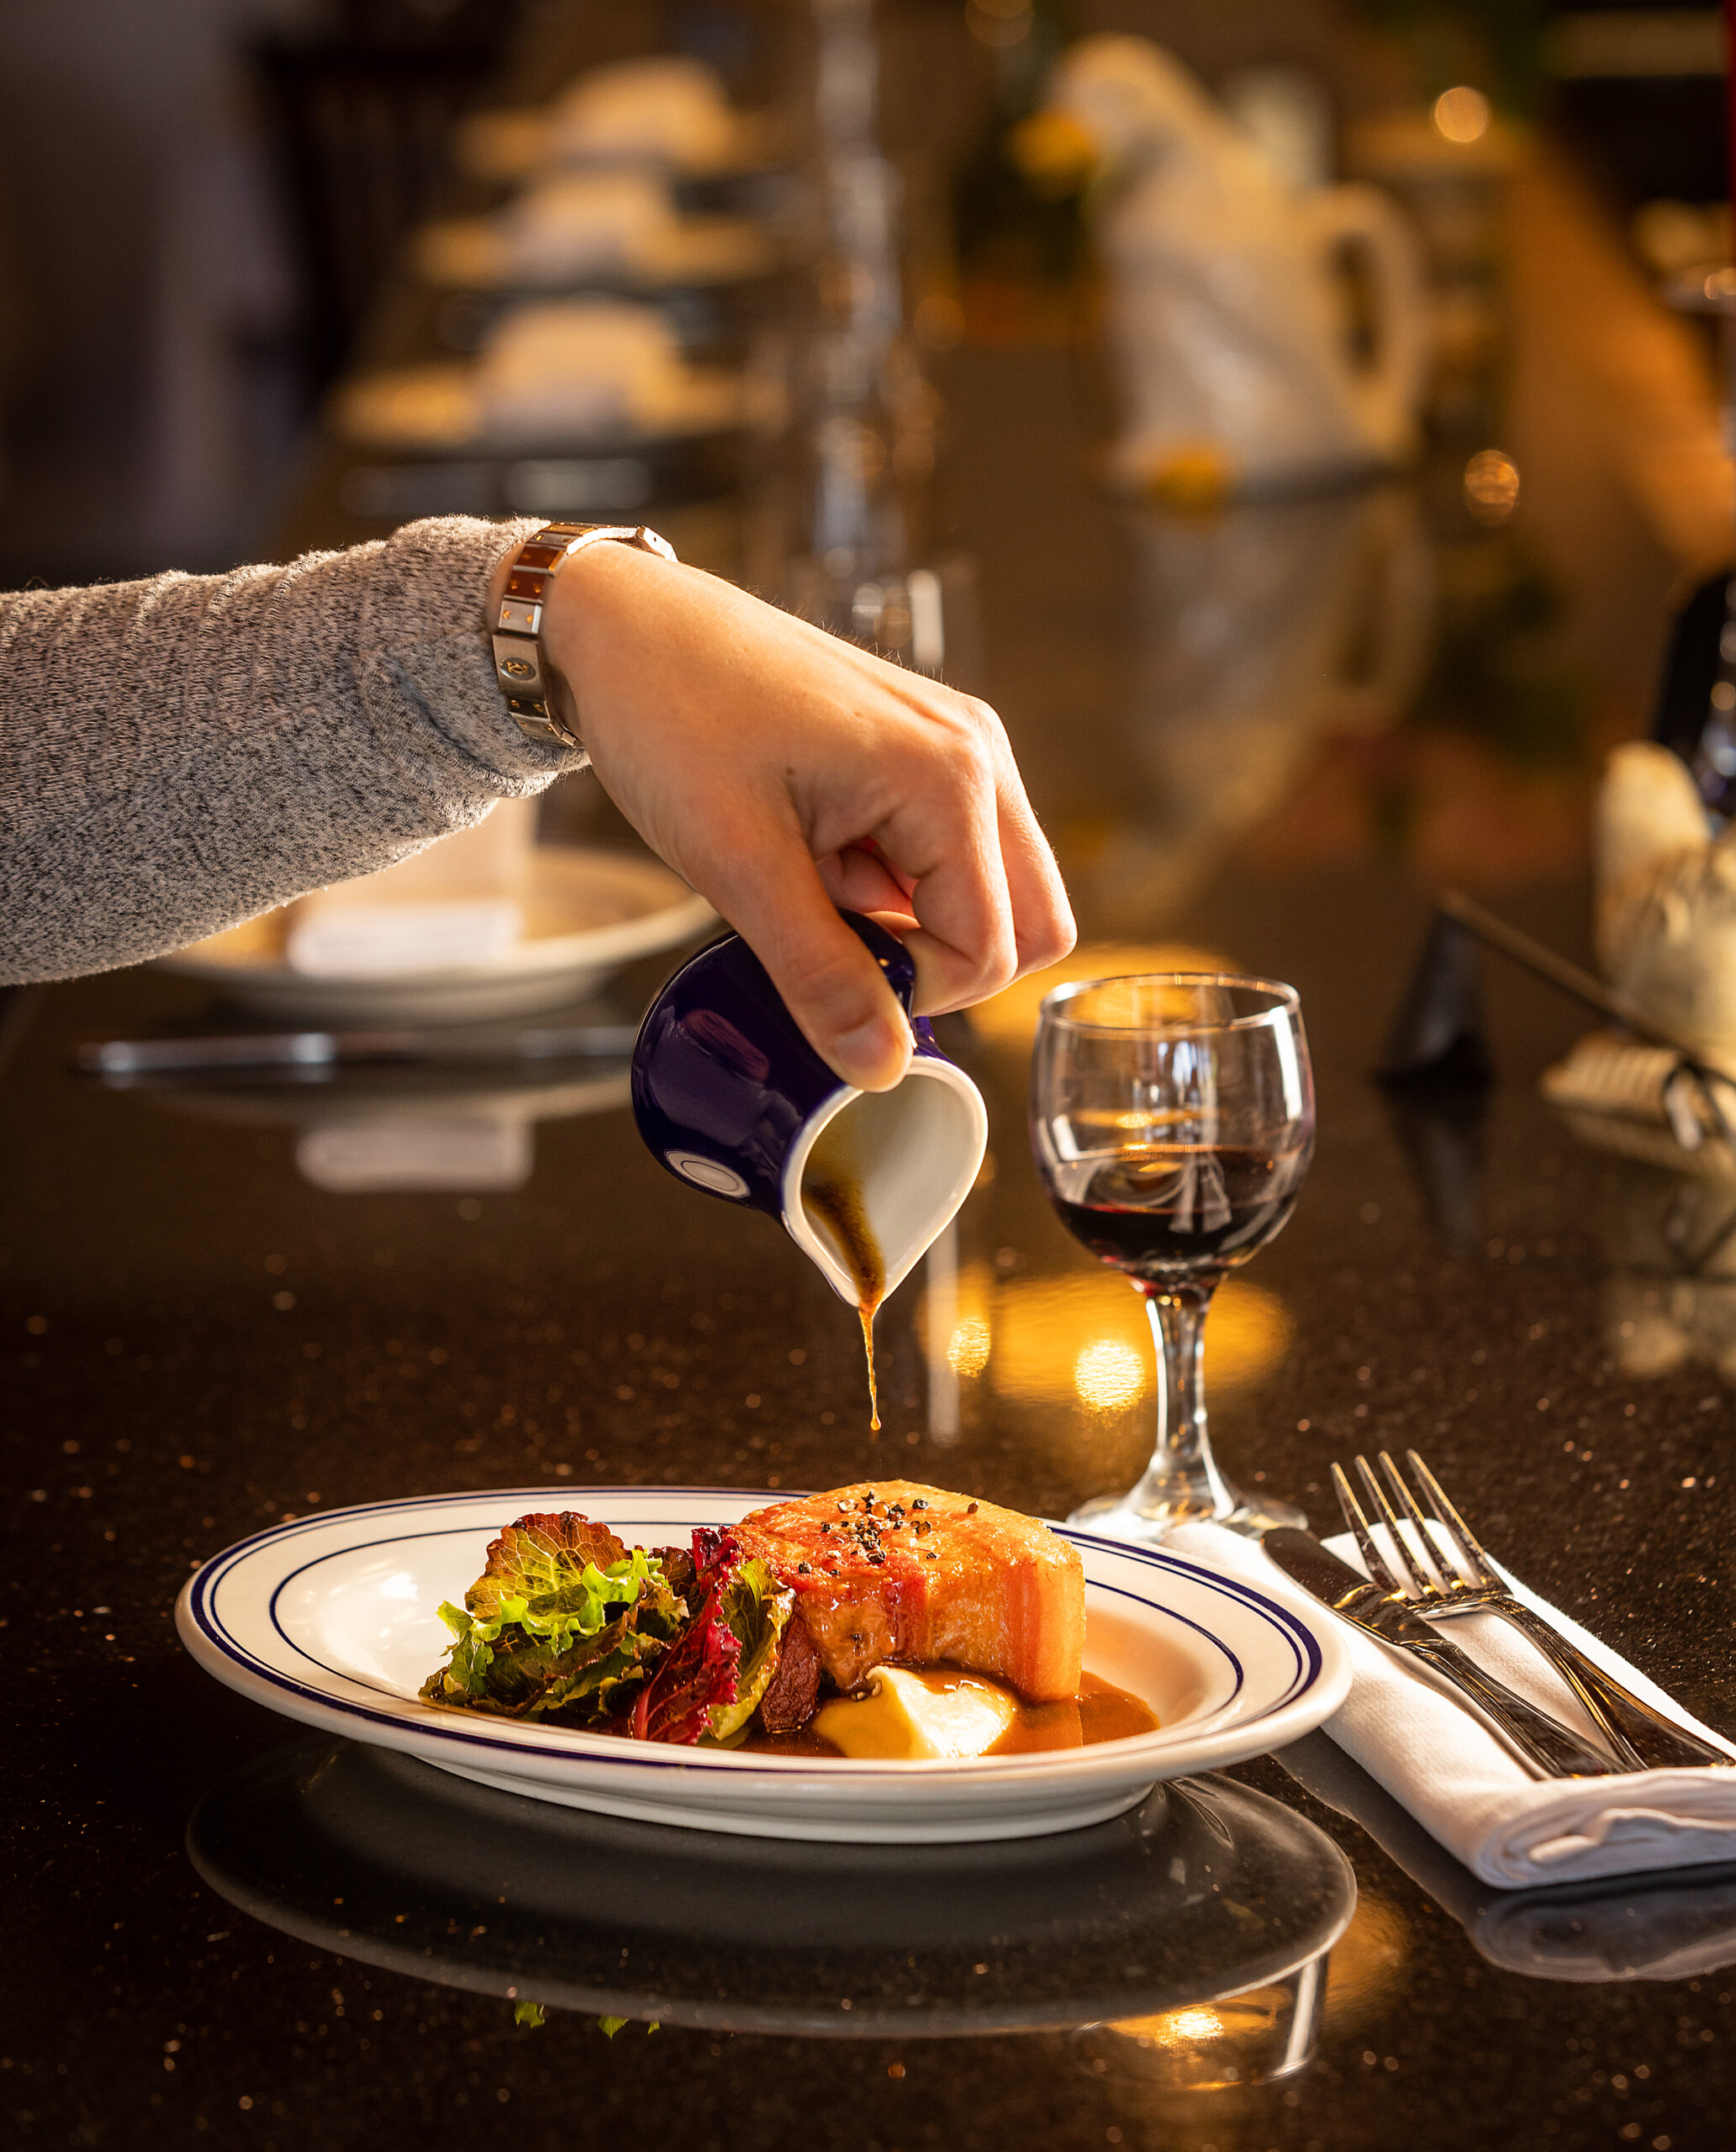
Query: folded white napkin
{"points": [[330, 939], [1465, 1786], [468, 1151], [1665, 1926]]}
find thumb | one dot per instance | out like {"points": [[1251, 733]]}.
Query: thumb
{"points": [[771, 893]]}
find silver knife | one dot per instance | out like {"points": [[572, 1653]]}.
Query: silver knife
{"points": [[121, 1061], [1554, 1750]]}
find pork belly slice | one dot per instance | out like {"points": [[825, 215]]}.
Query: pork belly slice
{"points": [[889, 1570]]}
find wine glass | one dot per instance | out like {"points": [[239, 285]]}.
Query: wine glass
{"points": [[1173, 1120]]}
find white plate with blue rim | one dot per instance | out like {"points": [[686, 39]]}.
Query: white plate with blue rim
{"points": [[333, 1620]]}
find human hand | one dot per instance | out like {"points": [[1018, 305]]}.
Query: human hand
{"points": [[783, 772]]}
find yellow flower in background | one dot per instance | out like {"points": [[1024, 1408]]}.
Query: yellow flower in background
{"points": [[1055, 155], [1195, 480]]}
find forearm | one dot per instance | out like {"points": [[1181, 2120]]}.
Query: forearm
{"points": [[181, 754]]}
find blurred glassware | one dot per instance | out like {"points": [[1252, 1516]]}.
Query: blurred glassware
{"points": [[858, 554], [1241, 369], [1453, 179], [1287, 114], [1172, 1118], [1264, 631]]}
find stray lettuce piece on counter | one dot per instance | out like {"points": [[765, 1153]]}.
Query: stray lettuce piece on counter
{"points": [[529, 2014], [563, 1623], [709, 1686]]}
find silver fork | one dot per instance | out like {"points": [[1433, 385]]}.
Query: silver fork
{"points": [[1640, 1737]]}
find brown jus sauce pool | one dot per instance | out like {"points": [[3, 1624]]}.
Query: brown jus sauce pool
{"points": [[832, 1197], [1099, 1712]]}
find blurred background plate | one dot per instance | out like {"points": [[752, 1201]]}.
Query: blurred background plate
{"points": [[435, 407], [587, 913], [477, 254]]}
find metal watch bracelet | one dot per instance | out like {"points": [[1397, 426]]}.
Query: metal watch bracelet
{"points": [[518, 632]]}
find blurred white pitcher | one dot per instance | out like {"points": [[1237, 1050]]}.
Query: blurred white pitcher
{"points": [[1226, 304]]}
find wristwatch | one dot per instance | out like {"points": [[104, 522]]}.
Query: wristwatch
{"points": [[517, 639]]}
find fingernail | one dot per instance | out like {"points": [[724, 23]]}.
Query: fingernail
{"points": [[874, 1056]]}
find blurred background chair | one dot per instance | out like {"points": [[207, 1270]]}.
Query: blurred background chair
{"points": [[360, 117]]}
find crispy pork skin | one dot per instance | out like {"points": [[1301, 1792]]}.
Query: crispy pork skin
{"points": [[889, 1570]]}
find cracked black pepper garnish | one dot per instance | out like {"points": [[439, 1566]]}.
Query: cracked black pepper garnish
{"points": [[972, 1511], [803, 1569], [923, 1527], [919, 1504]]}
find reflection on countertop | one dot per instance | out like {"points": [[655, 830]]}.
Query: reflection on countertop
{"points": [[1207, 1891]]}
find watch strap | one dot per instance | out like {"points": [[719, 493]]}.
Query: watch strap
{"points": [[519, 665]]}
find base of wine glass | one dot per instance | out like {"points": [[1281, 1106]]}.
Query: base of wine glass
{"points": [[1116, 1517]]}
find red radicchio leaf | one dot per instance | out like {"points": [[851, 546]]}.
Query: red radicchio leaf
{"points": [[712, 1543], [698, 1674]]}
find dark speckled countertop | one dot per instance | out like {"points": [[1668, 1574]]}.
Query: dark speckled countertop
{"points": [[196, 1341]]}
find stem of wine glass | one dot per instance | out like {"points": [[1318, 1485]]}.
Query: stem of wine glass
{"points": [[1182, 1479]]}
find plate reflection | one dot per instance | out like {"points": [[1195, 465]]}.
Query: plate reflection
{"points": [[1208, 1893], [1265, 2034]]}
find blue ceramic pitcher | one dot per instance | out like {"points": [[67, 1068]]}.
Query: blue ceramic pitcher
{"points": [[731, 1098]]}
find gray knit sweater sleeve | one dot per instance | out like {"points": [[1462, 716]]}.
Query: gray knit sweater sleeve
{"points": [[180, 754]]}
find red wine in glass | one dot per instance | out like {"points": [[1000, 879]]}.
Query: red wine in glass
{"points": [[1178, 1213], [1172, 1117]]}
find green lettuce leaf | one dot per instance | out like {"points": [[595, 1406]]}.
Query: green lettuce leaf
{"points": [[547, 1560], [563, 1623]]}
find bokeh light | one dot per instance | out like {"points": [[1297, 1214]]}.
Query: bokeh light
{"points": [[1108, 1374], [1491, 485], [1009, 1019], [1083, 1338], [1462, 114], [967, 1349]]}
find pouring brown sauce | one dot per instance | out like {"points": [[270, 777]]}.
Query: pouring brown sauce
{"points": [[1099, 1712], [832, 1197]]}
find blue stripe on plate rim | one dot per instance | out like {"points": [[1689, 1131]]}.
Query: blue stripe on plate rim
{"points": [[200, 1589]]}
